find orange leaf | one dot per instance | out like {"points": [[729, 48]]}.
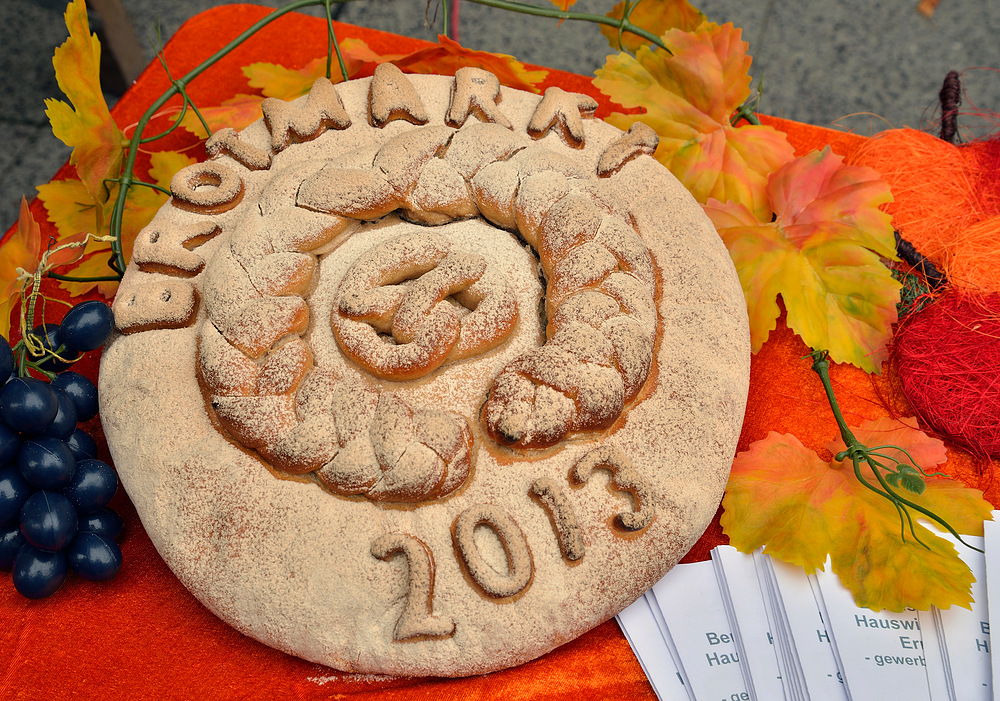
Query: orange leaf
{"points": [[21, 250], [783, 496], [656, 17], [446, 58], [821, 255], [237, 112], [688, 99], [85, 125]]}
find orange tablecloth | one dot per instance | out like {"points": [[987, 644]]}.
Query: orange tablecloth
{"points": [[142, 636]]}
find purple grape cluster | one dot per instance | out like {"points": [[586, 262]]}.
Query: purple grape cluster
{"points": [[54, 492]]}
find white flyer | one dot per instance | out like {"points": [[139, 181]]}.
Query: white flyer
{"points": [[671, 648], [809, 635], [966, 634], [689, 599], [991, 533], [643, 635], [881, 653], [787, 661], [938, 670], [755, 642]]}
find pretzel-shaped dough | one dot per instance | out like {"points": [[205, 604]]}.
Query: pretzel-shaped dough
{"points": [[426, 329]]}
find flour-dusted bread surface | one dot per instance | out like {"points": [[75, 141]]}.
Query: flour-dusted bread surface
{"points": [[423, 376]]}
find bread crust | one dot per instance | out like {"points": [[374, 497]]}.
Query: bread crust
{"points": [[505, 497]]}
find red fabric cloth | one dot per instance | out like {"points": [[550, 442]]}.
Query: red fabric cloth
{"points": [[142, 636]]}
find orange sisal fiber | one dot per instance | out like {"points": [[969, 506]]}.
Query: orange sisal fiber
{"points": [[946, 201]]}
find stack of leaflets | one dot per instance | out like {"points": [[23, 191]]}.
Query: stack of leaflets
{"points": [[752, 628]]}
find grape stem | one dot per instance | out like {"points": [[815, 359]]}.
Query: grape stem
{"points": [[861, 454], [31, 293]]}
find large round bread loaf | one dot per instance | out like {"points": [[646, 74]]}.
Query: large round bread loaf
{"points": [[420, 375]]}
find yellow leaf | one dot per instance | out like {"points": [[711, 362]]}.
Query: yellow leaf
{"points": [[71, 207], [821, 255], [283, 83], [688, 99], [163, 165], [72, 210], [656, 17], [783, 496], [85, 125], [95, 264]]}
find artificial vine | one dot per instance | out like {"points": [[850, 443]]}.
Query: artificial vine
{"points": [[889, 472]]}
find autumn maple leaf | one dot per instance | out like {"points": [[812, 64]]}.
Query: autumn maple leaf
{"points": [[803, 509], [447, 57], [85, 124], [688, 99], [656, 17], [275, 80], [236, 112], [21, 254], [821, 255]]}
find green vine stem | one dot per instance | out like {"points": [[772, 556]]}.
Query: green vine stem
{"points": [[332, 46], [910, 476], [623, 24]]}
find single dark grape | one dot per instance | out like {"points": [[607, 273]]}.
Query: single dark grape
{"points": [[87, 325], [81, 390], [64, 424], [82, 445], [28, 405], [6, 359], [105, 522], [11, 540], [14, 491], [50, 336], [94, 557], [10, 444], [48, 520], [93, 485], [47, 463], [39, 573]]}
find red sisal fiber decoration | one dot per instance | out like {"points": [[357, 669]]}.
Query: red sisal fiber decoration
{"points": [[946, 201], [947, 359]]}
